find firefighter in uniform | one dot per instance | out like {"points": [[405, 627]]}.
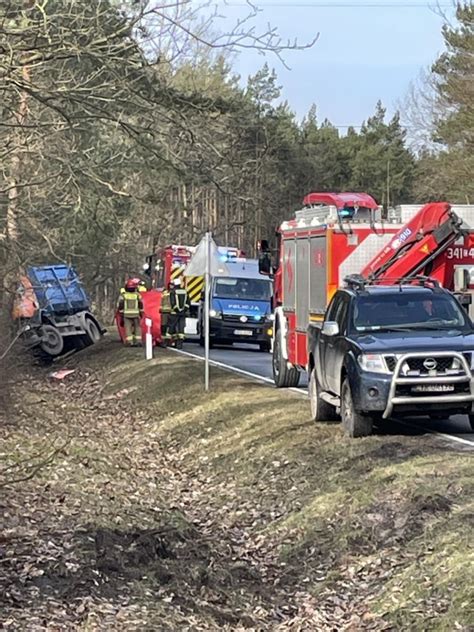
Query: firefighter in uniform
{"points": [[130, 307], [165, 311], [179, 302]]}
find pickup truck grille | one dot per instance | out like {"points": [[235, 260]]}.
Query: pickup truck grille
{"points": [[443, 364], [424, 379]]}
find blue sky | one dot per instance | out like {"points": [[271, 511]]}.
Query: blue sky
{"points": [[363, 53]]}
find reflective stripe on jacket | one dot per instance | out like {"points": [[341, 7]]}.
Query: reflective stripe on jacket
{"points": [[131, 304], [179, 300], [165, 306]]}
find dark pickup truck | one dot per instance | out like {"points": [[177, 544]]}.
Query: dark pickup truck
{"points": [[389, 351]]}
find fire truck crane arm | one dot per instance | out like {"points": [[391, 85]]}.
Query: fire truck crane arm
{"points": [[427, 235]]}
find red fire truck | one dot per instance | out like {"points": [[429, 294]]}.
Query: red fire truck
{"points": [[162, 267], [337, 235], [168, 264]]}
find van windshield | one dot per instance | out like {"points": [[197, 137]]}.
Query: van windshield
{"points": [[408, 310], [248, 289]]}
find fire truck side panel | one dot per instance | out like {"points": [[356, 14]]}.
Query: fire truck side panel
{"points": [[288, 255], [302, 283], [292, 338], [315, 262], [289, 258], [319, 273]]}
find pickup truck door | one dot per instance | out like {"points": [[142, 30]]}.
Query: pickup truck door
{"points": [[335, 346], [324, 342]]}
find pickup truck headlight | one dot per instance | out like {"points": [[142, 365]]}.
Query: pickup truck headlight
{"points": [[213, 313], [372, 362]]}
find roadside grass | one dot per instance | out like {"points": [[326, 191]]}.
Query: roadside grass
{"points": [[170, 508]]}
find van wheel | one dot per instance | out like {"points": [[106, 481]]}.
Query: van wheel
{"points": [[354, 424], [320, 410], [282, 375], [202, 342], [52, 342], [265, 347]]}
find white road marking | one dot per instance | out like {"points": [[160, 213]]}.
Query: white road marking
{"points": [[300, 391]]}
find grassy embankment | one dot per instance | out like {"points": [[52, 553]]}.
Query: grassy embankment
{"points": [[167, 508]]}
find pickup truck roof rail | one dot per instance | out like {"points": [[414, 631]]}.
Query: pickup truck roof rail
{"points": [[358, 283]]}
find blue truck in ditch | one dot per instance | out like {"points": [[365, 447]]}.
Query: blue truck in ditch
{"points": [[241, 306], [53, 310]]}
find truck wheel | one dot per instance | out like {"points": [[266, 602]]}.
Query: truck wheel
{"points": [[354, 424], [52, 342], [92, 331], [320, 410], [282, 375]]}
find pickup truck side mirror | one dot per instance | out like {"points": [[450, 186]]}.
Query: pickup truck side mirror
{"points": [[330, 328]]}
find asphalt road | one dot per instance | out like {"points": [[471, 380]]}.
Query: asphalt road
{"points": [[250, 359]]}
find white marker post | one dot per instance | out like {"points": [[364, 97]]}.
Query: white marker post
{"points": [[205, 261], [148, 339]]}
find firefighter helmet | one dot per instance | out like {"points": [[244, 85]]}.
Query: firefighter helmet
{"points": [[132, 284]]}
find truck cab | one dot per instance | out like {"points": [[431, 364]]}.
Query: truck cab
{"points": [[391, 351], [241, 309]]}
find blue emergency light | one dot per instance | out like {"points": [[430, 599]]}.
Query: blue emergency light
{"points": [[231, 254]]}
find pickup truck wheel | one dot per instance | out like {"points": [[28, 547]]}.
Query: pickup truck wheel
{"points": [[52, 342], [320, 410], [471, 421], [354, 424], [282, 375]]}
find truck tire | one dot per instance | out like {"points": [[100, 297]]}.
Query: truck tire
{"points": [[320, 410], [354, 424], [93, 334], [282, 375], [52, 343]]}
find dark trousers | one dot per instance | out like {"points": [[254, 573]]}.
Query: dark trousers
{"points": [[176, 325], [165, 319]]}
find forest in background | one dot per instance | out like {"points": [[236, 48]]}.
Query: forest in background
{"points": [[123, 126]]}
